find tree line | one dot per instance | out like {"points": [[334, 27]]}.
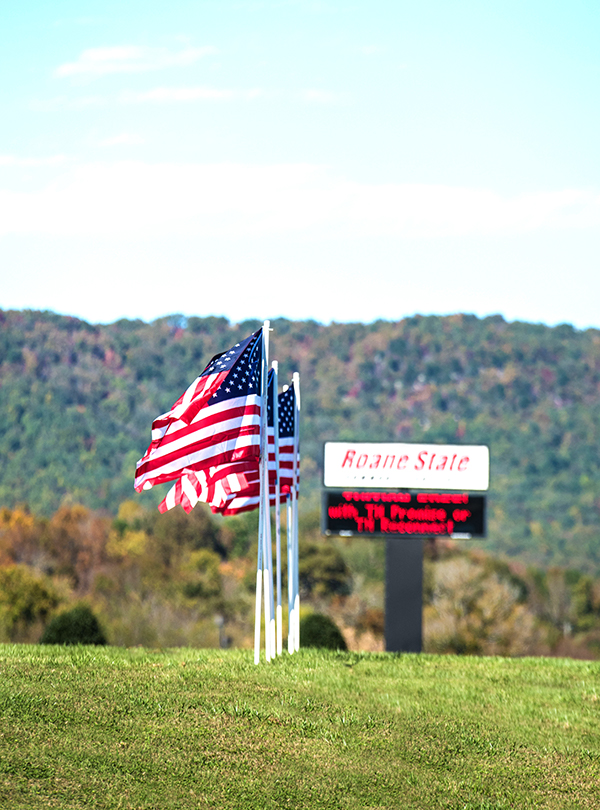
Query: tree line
{"points": [[188, 580], [77, 401]]}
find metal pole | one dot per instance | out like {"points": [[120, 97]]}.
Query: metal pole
{"points": [[279, 617], [295, 492], [263, 468]]}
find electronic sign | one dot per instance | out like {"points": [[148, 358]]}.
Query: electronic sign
{"points": [[410, 514]]}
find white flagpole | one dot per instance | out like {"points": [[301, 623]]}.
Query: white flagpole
{"points": [[272, 624], [258, 611], [279, 616], [266, 509], [295, 492], [270, 603], [268, 580], [263, 467], [290, 555], [295, 586]]}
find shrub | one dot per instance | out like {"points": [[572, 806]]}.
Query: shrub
{"points": [[204, 579], [475, 612], [318, 630], [76, 626], [26, 599], [322, 571]]}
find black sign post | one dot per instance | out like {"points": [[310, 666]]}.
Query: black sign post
{"points": [[404, 519], [404, 595]]}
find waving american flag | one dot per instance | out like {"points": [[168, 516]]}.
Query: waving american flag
{"points": [[215, 422], [247, 498]]}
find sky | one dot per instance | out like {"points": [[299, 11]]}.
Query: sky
{"points": [[336, 160]]}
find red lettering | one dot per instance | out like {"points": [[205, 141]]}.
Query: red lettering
{"points": [[393, 458], [401, 465], [453, 460], [421, 460], [349, 458], [442, 497], [431, 462], [442, 464], [362, 460], [375, 463], [365, 525], [464, 461], [346, 511]]}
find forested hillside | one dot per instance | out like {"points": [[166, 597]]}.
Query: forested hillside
{"points": [[77, 401]]}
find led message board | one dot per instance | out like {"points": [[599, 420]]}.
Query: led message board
{"points": [[396, 514]]}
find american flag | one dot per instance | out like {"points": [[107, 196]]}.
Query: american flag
{"points": [[287, 421], [218, 485], [249, 498], [214, 486], [215, 422]]}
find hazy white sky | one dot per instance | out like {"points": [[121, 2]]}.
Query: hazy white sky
{"points": [[331, 160]]}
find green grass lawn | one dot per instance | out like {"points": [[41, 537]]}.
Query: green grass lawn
{"points": [[93, 727]]}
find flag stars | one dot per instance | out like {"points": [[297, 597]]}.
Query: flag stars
{"points": [[239, 371]]}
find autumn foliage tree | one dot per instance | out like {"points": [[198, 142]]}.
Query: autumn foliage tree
{"points": [[475, 611]]}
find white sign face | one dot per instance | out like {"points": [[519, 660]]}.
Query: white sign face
{"points": [[406, 466]]}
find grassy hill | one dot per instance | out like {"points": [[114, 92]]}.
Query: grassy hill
{"points": [[113, 728]]}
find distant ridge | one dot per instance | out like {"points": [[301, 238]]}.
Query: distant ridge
{"points": [[77, 401]]}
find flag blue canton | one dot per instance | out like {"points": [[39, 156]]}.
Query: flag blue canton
{"points": [[287, 406], [226, 360], [243, 362]]}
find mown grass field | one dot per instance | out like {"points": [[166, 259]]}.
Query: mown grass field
{"points": [[85, 727]]}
